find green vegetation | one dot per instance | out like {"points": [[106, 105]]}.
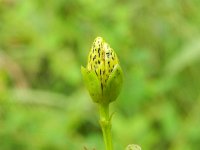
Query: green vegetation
{"points": [[44, 104]]}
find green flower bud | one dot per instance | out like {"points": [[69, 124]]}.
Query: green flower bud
{"points": [[103, 75], [133, 147]]}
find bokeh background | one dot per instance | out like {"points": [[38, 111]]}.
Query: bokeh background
{"points": [[43, 102]]}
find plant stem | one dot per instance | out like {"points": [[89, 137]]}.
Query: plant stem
{"points": [[105, 123]]}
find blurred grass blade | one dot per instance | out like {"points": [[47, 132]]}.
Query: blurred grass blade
{"points": [[186, 57]]}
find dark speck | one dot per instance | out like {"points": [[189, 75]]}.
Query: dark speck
{"points": [[107, 54], [94, 57]]}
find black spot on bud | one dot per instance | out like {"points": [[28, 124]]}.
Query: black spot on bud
{"points": [[99, 51], [94, 57], [109, 63], [95, 72], [108, 54]]}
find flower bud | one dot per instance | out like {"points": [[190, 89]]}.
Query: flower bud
{"points": [[103, 75], [133, 147]]}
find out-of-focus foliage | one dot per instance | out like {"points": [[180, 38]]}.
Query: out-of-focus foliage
{"points": [[43, 103]]}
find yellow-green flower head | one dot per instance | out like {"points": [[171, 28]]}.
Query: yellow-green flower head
{"points": [[102, 59], [103, 75]]}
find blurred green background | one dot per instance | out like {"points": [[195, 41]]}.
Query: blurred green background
{"points": [[43, 102]]}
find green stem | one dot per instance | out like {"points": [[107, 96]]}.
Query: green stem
{"points": [[105, 123]]}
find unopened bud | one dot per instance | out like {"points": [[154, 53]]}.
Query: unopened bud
{"points": [[103, 76]]}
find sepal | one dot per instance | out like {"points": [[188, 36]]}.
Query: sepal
{"points": [[92, 83], [113, 85]]}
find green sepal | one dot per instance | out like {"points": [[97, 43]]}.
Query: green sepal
{"points": [[92, 83], [113, 85]]}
